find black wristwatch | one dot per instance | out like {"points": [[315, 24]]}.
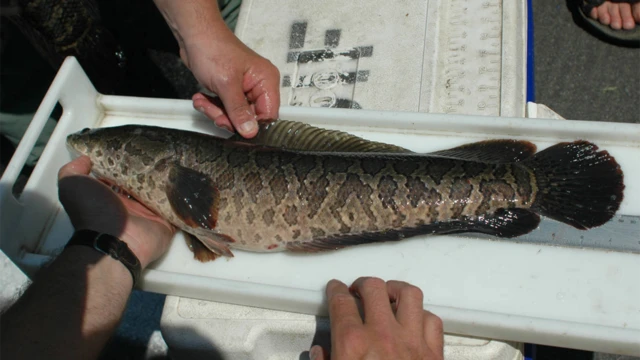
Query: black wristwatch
{"points": [[109, 245]]}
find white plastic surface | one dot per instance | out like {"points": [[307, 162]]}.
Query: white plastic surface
{"points": [[581, 298], [24, 220], [254, 333]]}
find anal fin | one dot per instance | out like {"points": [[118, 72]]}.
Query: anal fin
{"points": [[505, 223], [491, 151]]}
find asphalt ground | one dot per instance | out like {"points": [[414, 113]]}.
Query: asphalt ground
{"points": [[578, 75]]}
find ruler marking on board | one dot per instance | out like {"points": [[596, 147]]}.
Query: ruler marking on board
{"points": [[472, 48]]}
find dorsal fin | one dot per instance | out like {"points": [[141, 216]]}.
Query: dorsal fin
{"points": [[491, 151], [293, 135]]}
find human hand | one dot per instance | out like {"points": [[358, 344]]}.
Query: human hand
{"points": [[92, 205], [394, 325], [247, 84]]}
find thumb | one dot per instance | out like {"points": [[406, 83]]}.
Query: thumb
{"points": [[240, 113], [79, 166]]}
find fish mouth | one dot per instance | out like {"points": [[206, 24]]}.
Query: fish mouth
{"points": [[75, 144], [71, 145]]}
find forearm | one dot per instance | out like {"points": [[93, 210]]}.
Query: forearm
{"points": [[71, 309], [190, 20]]}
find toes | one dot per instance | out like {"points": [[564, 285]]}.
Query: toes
{"points": [[635, 9], [616, 20], [628, 22], [617, 15], [603, 14]]}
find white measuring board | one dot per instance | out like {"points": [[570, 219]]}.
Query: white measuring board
{"points": [[437, 56]]}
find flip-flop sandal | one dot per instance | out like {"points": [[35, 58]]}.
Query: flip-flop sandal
{"points": [[628, 37]]}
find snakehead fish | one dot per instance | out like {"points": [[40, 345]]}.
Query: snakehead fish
{"points": [[298, 188]]}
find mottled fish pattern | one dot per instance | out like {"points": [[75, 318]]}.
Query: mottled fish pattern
{"points": [[304, 189]]}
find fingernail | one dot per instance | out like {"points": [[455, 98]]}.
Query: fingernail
{"points": [[226, 127], [248, 126], [314, 353], [200, 108]]}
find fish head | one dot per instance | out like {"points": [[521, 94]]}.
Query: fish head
{"points": [[81, 142], [123, 151]]}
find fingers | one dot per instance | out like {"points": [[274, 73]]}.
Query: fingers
{"points": [[266, 94], [243, 101], [238, 109], [408, 299], [233, 114], [343, 310], [433, 333], [78, 166], [213, 109], [416, 334], [318, 353], [375, 299]]}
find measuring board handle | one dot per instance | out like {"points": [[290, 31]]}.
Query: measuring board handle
{"points": [[73, 90]]}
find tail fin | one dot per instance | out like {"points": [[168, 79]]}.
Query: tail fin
{"points": [[577, 184]]}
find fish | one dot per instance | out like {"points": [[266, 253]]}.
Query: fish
{"points": [[304, 189]]}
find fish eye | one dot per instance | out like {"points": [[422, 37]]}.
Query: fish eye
{"points": [[85, 130]]}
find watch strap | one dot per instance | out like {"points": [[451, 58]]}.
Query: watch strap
{"points": [[108, 245]]}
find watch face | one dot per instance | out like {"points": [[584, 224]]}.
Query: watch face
{"points": [[101, 243]]}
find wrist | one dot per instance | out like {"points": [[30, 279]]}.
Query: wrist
{"points": [[109, 245], [98, 265], [137, 248], [140, 251], [194, 21]]}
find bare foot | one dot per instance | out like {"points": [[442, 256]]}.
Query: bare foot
{"points": [[617, 15]]}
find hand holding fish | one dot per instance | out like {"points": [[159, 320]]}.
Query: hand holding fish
{"points": [[92, 205], [247, 84], [80, 297], [393, 326]]}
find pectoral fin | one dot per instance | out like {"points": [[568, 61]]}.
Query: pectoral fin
{"points": [[293, 135], [200, 252], [209, 246], [193, 197]]}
